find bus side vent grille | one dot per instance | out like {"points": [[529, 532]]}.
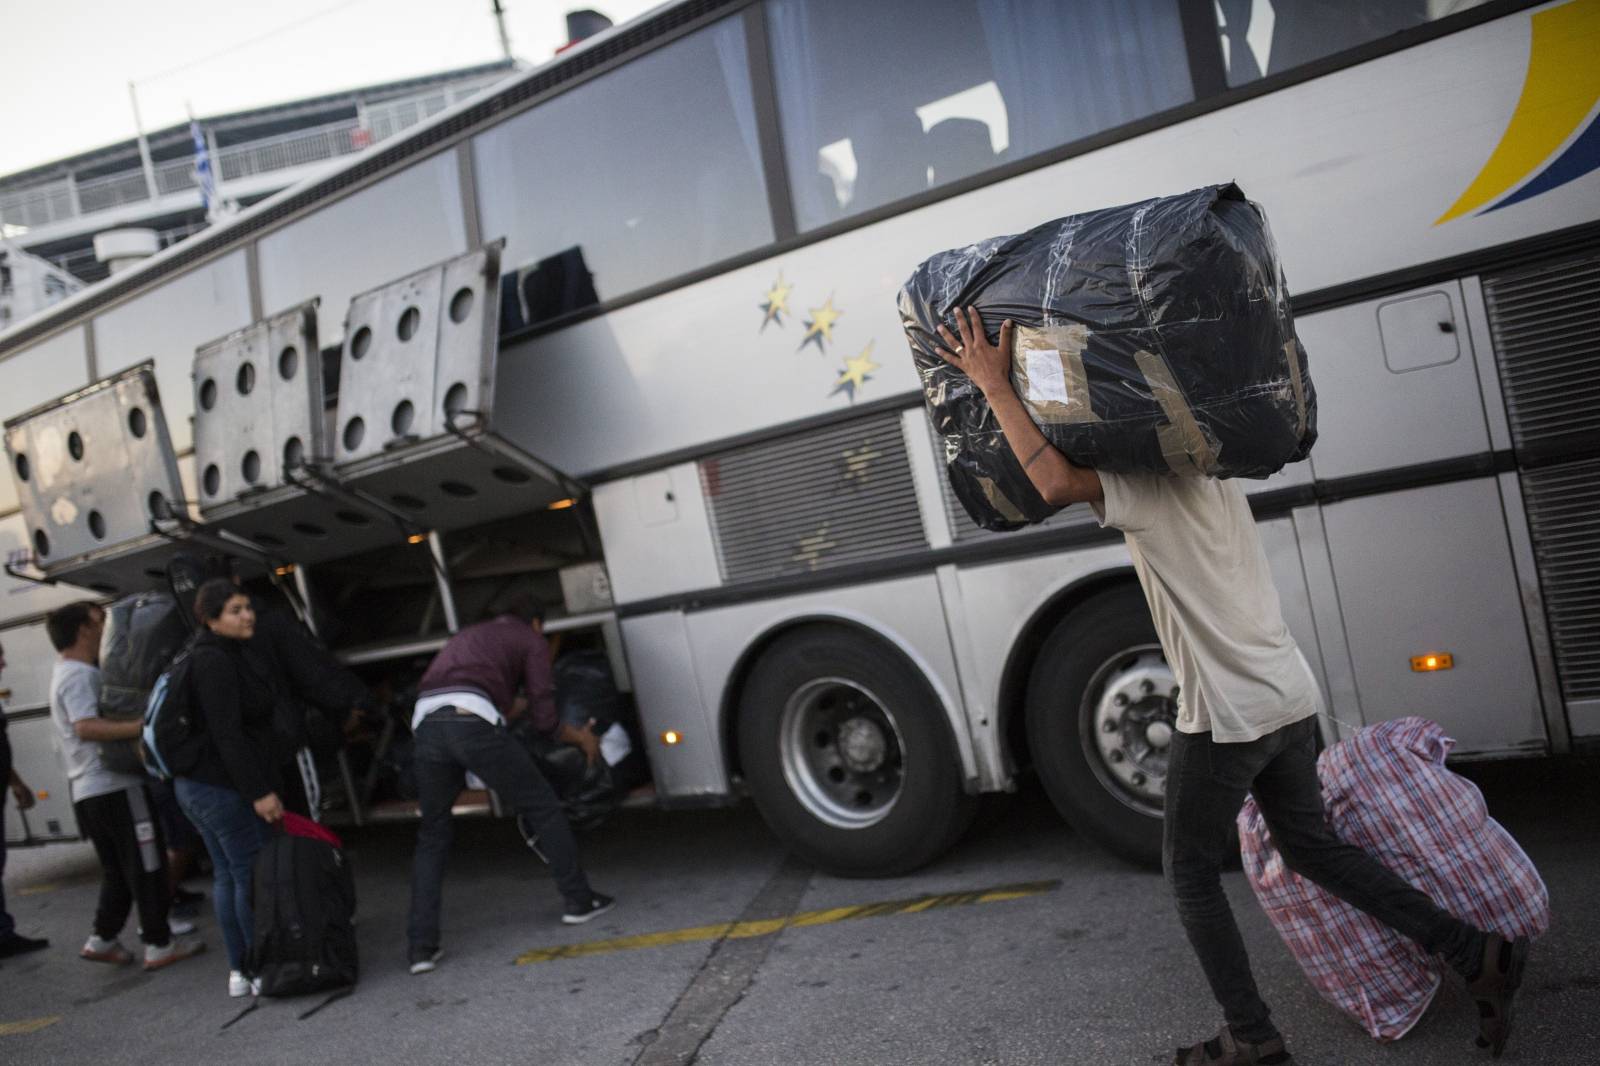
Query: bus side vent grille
{"points": [[963, 530], [813, 501], [1545, 322], [1563, 505]]}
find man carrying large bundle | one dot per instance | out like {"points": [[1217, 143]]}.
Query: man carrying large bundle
{"points": [[1246, 720]]}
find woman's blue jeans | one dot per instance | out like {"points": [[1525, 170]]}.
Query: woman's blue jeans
{"points": [[233, 834]]}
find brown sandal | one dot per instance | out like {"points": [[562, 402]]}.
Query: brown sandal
{"points": [[1224, 1050], [1495, 987]]}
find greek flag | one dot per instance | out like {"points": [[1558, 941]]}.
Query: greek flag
{"points": [[202, 169]]}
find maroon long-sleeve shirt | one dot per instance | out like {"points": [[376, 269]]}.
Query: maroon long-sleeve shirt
{"points": [[492, 659]]}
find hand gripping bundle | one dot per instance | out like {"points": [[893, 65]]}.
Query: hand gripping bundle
{"points": [[1151, 337], [1386, 790]]}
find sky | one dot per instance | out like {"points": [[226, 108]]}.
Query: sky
{"points": [[65, 65]]}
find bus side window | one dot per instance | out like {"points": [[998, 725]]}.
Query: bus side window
{"points": [[885, 100], [1262, 37], [644, 173]]}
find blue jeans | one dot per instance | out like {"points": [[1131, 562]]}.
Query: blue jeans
{"points": [[234, 834], [1206, 786]]}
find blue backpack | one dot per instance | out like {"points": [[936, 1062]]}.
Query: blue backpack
{"points": [[171, 739]]}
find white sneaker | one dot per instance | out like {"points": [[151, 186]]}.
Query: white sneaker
{"points": [[97, 950], [180, 926], [240, 986], [175, 950]]}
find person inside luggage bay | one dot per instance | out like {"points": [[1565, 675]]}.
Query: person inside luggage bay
{"points": [[1246, 721]]}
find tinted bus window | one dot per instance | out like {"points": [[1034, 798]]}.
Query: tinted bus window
{"points": [[880, 101], [1261, 37], [645, 173]]}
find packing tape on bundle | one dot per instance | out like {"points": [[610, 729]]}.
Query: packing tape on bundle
{"points": [[998, 500], [1048, 360], [1185, 445], [1291, 351]]}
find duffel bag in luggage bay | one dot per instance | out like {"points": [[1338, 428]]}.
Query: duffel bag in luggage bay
{"points": [[1386, 790]]}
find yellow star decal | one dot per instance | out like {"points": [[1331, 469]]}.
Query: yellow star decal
{"points": [[820, 328], [856, 373], [857, 463], [776, 305], [814, 547]]}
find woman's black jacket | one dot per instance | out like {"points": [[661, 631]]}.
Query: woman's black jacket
{"points": [[236, 710]]}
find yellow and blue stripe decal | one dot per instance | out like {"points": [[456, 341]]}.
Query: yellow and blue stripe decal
{"points": [[1556, 109]]}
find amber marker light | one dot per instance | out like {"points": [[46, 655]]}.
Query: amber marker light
{"points": [[671, 737], [562, 505], [284, 571], [1437, 660], [416, 538]]}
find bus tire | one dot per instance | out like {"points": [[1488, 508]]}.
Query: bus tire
{"points": [[1101, 708], [847, 754]]}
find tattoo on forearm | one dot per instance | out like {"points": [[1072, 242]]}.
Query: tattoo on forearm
{"points": [[1037, 452]]}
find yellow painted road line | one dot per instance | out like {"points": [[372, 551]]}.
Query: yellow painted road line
{"points": [[769, 926], [32, 1025]]}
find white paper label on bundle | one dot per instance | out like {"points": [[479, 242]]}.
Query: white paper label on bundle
{"points": [[1047, 382]]}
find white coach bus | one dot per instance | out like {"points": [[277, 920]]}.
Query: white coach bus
{"points": [[706, 215]]}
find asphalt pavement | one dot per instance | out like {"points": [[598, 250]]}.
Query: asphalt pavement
{"points": [[1024, 945]]}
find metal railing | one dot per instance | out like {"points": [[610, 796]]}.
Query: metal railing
{"points": [[63, 199], [39, 205], [291, 150]]}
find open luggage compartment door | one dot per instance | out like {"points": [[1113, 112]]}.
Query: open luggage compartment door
{"points": [[96, 473], [412, 447]]}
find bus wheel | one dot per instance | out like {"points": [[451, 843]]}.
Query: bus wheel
{"points": [[847, 755], [1102, 707]]}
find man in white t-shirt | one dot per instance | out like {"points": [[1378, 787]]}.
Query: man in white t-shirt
{"points": [[112, 802], [1246, 718]]}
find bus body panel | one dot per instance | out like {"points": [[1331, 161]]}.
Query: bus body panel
{"points": [[1371, 417], [36, 758], [906, 613], [671, 697], [1422, 572], [657, 534]]}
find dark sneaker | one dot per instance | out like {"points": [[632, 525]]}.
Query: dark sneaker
{"points": [[1225, 1049], [12, 944], [577, 914], [424, 960], [1495, 988]]}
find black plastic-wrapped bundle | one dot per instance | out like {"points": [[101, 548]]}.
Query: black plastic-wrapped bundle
{"points": [[1151, 337]]}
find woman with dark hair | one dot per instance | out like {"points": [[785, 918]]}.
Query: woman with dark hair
{"points": [[231, 792]]}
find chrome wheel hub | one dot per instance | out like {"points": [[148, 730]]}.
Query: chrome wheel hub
{"points": [[841, 752], [1128, 733]]}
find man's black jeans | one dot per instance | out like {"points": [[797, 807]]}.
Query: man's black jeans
{"points": [[1206, 786], [133, 863], [448, 745]]}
